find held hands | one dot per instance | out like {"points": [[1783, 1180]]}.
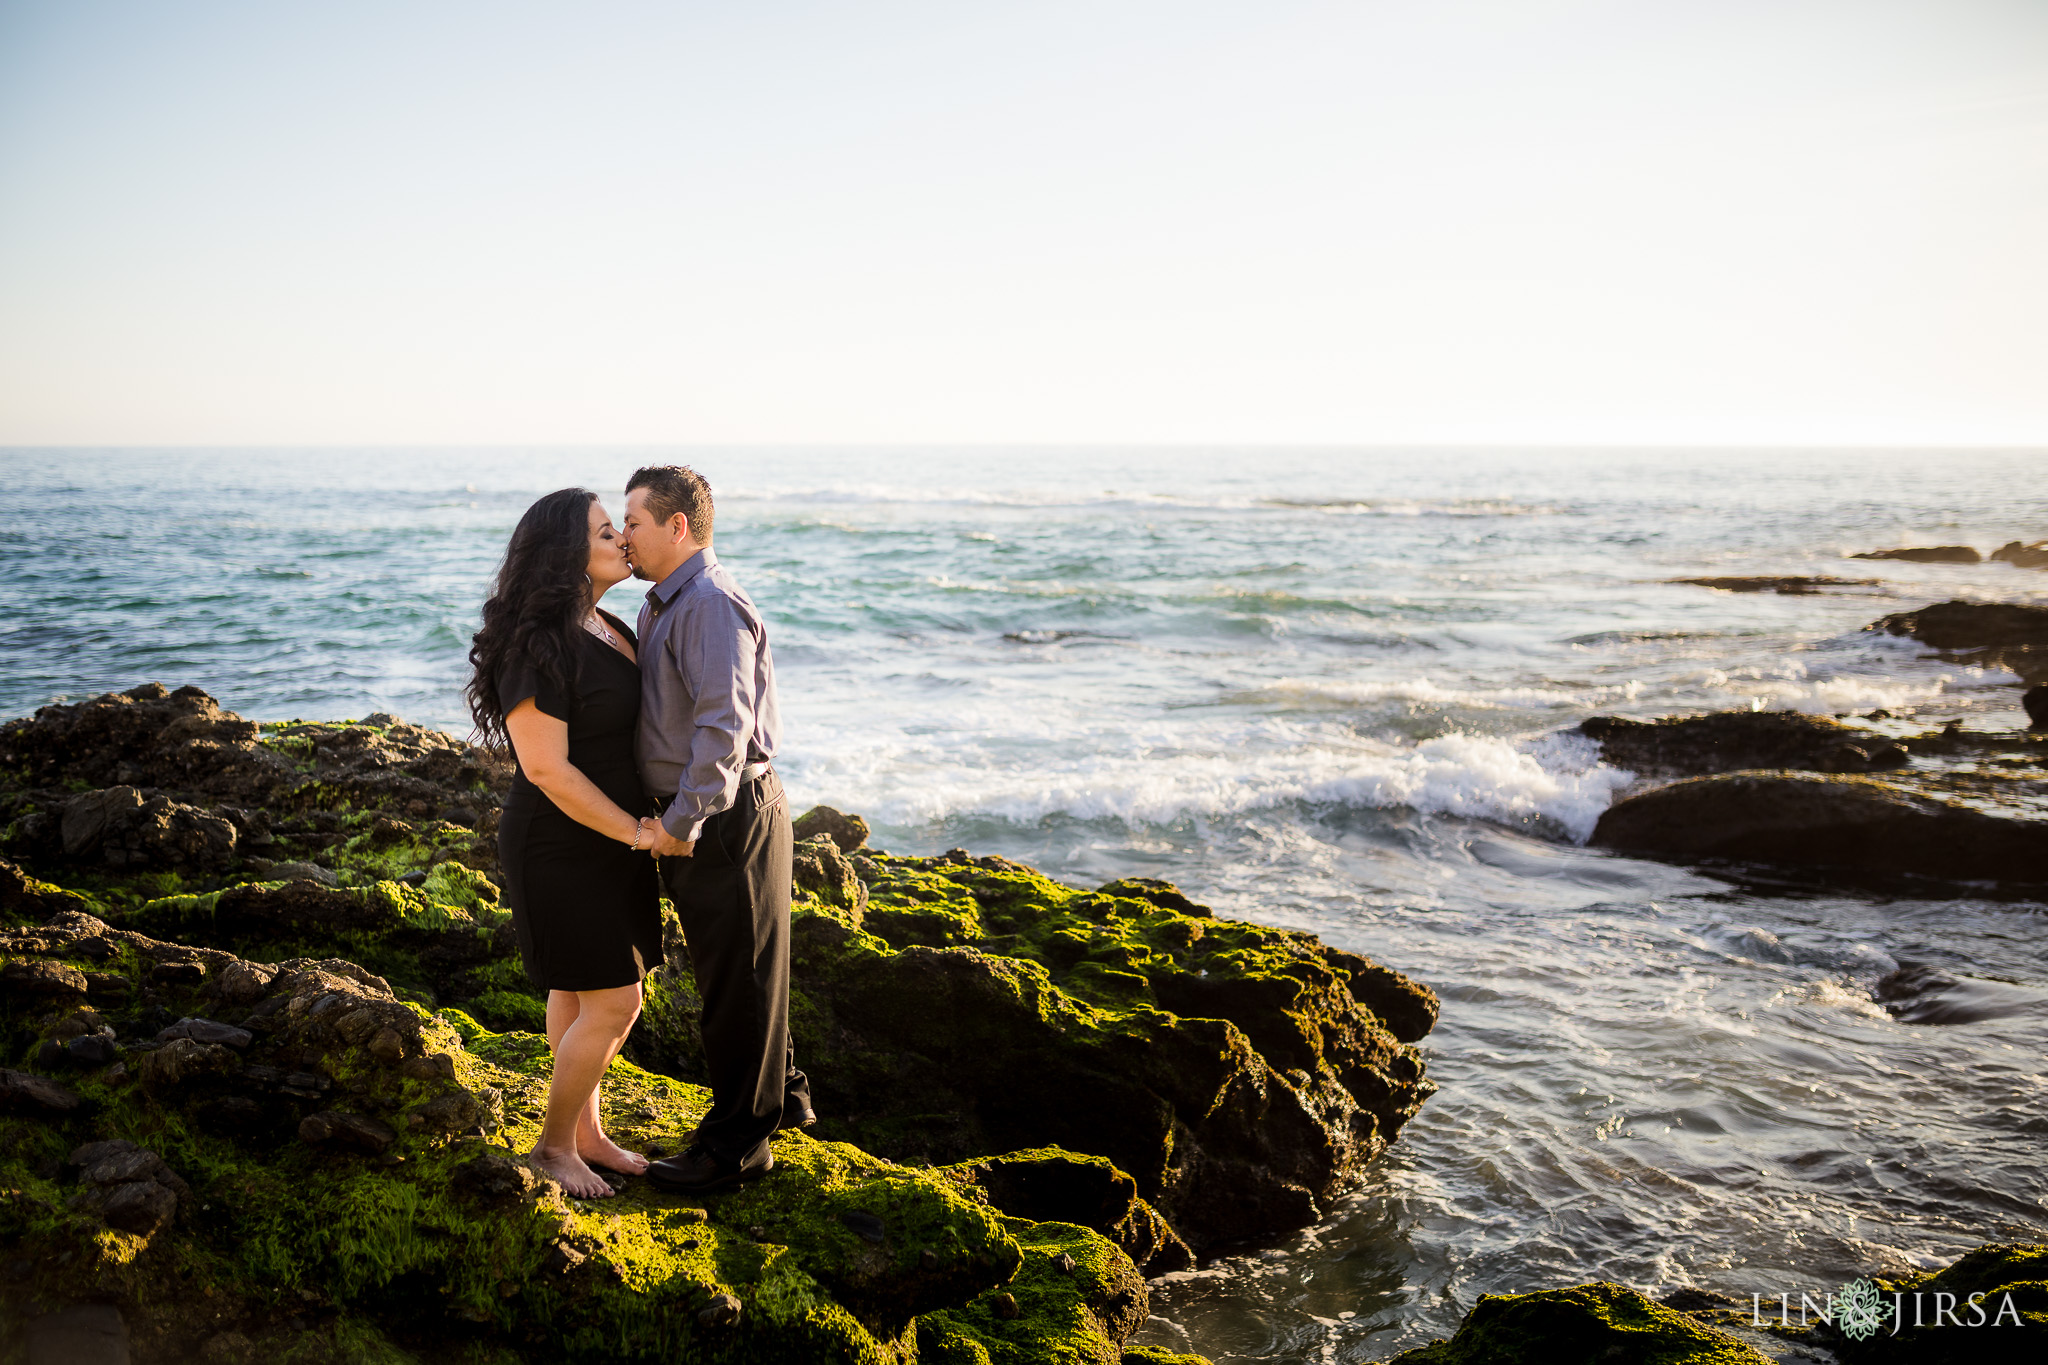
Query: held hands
{"points": [[666, 845]]}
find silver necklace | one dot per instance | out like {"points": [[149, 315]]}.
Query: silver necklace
{"points": [[595, 625]]}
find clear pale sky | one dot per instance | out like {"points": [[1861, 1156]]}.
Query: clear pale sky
{"points": [[1544, 221]]}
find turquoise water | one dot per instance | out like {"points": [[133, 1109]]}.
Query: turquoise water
{"points": [[1316, 688]]}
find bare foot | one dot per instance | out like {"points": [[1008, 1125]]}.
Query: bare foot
{"points": [[602, 1151], [578, 1179]]}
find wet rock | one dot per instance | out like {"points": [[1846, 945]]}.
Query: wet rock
{"points": [[1588, 1322], [22, 1092], [2035, 700], [847, 832], [1787, 587], [1929, 554], [1853, 827], [1406, 1006], [2001, 634], [1733, 741], [356, 1132], [88, 1334], [1918, 993], [2023, 556]]}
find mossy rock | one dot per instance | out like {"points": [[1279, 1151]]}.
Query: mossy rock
{"points": [[1051, 1185], [1074, 1299], [341, 1180], [2007, 1282], [1587, 1323], [1159, 1355], [1240, 1074]]}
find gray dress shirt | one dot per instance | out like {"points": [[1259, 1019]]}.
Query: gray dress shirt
{"points": [[707, 692]]}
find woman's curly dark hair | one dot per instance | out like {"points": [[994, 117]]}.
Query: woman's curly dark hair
{"points": [[537, 604]]}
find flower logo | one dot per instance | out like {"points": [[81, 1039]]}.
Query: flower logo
{"points": [[1859, 1310]]}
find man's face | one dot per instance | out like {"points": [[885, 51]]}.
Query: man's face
{"points": [[651, 547]]}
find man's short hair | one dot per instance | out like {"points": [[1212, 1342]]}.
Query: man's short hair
{"points": [[673, 488]]}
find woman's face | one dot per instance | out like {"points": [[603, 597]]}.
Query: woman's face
{"points": [[607, 552]]}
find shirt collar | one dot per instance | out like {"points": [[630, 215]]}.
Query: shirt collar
{"points": [[666, 590]]}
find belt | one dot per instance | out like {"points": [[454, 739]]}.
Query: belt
{"points": [[753, 772]]}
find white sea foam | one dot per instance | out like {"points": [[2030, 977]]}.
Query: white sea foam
{"points": [[1558, 781], [1420, 691], [1787, 687]]}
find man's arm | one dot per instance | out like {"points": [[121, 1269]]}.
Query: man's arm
{"points": [[714, 646]]}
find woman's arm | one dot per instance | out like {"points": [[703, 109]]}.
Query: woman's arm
{"points": [[542, 744]]}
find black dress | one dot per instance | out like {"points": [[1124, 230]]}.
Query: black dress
{"points": [[585, 906]]}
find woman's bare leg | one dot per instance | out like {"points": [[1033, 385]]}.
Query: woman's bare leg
{"points": [[584, 1044], [592, 1143]]}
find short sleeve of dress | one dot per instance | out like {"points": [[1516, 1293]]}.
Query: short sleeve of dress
{"points": [[518, 679]]}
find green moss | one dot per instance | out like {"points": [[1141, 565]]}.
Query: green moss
{"points": [[2002, 1272], [1598, 1321], [1159, 1355], [377, 1250], [1073, 1300]]}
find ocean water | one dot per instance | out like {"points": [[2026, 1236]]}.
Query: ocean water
{"points": [[1327, 689]]}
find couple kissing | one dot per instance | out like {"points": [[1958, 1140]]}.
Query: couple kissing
{"points": [[643, 766]]}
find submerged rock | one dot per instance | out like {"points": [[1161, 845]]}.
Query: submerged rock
{"points": [[2022, 556], [1999, 634], [1927, 554], [1852, 827], [1786, 587], [1589, 1322], [1731, 741]]}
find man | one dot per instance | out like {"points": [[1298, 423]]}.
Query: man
{"points": [[708, 728]]}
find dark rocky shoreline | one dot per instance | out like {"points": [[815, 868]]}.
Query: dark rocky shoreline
{"points": [[262, 1000], [270, 1059], [1870, 802]]}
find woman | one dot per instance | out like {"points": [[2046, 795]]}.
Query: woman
{"points": [[557, 677]]}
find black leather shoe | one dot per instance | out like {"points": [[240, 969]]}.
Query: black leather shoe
{"points": [[797, 1112], [697, 1171]]}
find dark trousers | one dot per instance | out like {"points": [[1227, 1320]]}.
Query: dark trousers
{"points": [[732, 896]]}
